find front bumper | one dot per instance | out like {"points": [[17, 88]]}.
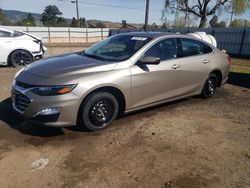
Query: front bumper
{"points": [[27, 104]]}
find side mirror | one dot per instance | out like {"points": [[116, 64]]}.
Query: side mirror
{"points": [[150, 60]]}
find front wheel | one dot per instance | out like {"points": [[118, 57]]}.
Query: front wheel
{"points": [[210, 86], [20, 58], [98, 111]]}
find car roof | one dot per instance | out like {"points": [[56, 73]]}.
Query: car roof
{"points": [[148, 34]]}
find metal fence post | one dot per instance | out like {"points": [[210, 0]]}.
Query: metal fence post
{"points": [[102, 33], [69, 33], [242, 41], [87, 40], [49, 41], [213, 32]]}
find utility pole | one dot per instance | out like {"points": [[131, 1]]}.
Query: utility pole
{"points": [[146, 15], [232, 13], [77, 12]]}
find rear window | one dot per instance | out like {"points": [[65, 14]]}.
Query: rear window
{"points": [[5, 34]]}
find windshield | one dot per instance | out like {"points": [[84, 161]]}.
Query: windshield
{"points": [[116, 48]]}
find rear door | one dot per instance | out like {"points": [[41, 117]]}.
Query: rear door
{"points": [[192, 66]]}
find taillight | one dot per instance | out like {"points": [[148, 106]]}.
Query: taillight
{"points": [[229, 59]]}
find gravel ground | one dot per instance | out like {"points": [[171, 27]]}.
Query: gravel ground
{"points": [[188, 143]]}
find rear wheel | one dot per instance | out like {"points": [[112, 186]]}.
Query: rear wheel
{"points": [[20, 58], [98, 111], [210, 86]]}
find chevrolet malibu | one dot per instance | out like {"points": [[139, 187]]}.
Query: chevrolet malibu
{"points": [[121, 74]]}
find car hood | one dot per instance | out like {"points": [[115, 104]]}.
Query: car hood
{"points": [[67, 65]]}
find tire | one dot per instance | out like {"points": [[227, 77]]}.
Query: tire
{"points": [[98, 111], [20, 58], [210, 86]]}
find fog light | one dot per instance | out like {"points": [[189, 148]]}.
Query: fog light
{"points": [[47, 111]]}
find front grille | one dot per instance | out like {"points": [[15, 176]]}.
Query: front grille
{"points": [[21, 102]]}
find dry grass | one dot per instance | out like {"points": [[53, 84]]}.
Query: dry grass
{"points": [[240, 66]]}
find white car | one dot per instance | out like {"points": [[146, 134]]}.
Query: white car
{"points": [[19, 48]]}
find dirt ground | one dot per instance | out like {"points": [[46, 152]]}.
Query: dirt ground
{"points": [[188, 143]]}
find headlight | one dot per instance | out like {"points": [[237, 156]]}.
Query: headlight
{"points": [[53, 90]]}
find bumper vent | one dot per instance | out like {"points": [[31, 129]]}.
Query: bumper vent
{"points": [[21, 102]]}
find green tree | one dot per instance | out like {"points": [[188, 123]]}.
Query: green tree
{"points": [[124, 24], [82, 22], [73, 22], [61, 22], [237, 7], [3, 18], [51, 17], [237, 23], [100, 24], [199, 8], [29, 21]]}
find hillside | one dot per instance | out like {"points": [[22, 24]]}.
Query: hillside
{"points": [[14, 15]]}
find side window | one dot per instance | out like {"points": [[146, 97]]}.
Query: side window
{"points": [[190, 47], [5, 34], [207, 49], [165, 49]]}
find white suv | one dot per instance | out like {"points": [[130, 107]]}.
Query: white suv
{"points": [[19, 48]]}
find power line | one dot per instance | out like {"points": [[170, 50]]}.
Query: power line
{"points": [[112, 6]]}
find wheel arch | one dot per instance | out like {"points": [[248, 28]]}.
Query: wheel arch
{"points": [[13, 50], [118, 94], [218, 74]]}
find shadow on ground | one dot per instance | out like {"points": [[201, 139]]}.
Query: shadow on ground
{"points": [[30, 128], [18, 123], [239, 79]]}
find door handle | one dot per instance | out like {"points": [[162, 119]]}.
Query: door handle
{"points": [[205, 61], [175, 66]]}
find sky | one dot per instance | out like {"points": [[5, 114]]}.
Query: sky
{"points": [[133, 15]]}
